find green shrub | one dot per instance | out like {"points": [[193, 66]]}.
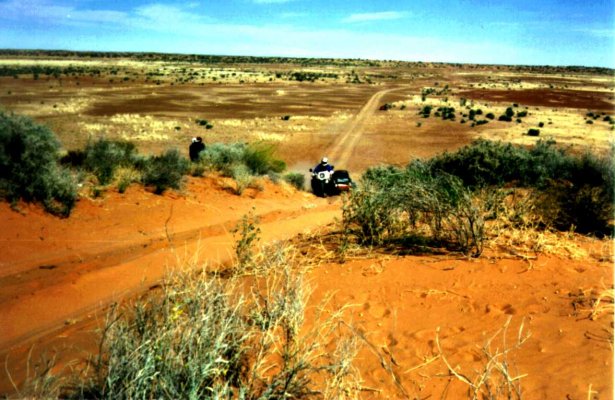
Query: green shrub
{"points": [[425, 112], [29, 167], [482, 163], [447, 113], [582, 208], [125, 176], [393, 204], [259, 158], [533, 132], [242, 176], [102, 157], [296, 179], [220, 157], [578, 190], [166, 171]]}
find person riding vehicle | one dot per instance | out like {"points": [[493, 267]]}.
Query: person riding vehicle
{"points": [[321, 177], [323, 166], [327, 182]]}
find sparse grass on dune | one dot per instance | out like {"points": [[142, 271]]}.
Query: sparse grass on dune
{"points": [[496, 377], [241, 333]]}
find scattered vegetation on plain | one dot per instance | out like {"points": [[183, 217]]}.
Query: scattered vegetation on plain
{"points": [[33, 170]]}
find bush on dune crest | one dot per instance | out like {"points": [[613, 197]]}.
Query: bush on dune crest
{"points": [[103, 157], [395, 204], [448, 199], [573, 191], [258, 158], [29, 167], [165, 171]]}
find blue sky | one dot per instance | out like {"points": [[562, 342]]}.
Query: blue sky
{"points": [[531, 32]]}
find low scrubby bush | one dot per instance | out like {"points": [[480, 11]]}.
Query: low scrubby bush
{"points": [[102, 157], [258, 159], [296, 179], [425, 112], [447, 113], [220, 157], [448, 198], [483, 163], [577, 191], [166, 171], [29, 166], [242, 176], [392, 204]]}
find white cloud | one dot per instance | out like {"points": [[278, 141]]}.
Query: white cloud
{"points": [[375, 16], [44, 10], [164, 14], [38, 9]]}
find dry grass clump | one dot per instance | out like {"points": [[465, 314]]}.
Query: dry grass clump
{"points": [[603, 304], [237, 334], [126, 176], [518, 228], [594, 303], [415, 204], [494, 379], [41, 381]]}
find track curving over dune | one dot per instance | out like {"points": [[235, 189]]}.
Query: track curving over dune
{"points": [[58, 274]]}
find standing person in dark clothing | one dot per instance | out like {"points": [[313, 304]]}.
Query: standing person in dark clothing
{"points": [[196, 147]]}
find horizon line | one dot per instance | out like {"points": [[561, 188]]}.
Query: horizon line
{"points": [[571, 66]]}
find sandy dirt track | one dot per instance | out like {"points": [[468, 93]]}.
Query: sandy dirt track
{"points": [[344, 146], [121, 245]]}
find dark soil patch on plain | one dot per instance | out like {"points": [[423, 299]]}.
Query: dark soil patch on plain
{"points": [[232, 101], [581, 99]]}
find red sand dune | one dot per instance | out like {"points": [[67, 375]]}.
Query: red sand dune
{"points": [[57, 274]]}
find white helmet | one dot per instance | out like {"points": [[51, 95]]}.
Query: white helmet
{"points": [[324, 160]]}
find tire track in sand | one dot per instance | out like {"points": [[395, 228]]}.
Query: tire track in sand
{"points": [[344, 145]]}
